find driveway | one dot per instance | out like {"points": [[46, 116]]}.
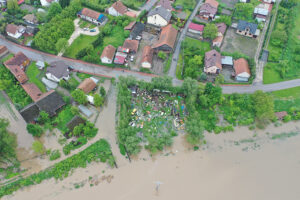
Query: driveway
{"points": [[77, 33], [172, 71]]}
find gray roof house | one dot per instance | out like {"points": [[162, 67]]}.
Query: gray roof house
{"points": [[227, 61], [159, 16], [247, 29], [57, 71]]}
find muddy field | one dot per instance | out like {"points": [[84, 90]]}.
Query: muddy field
{"points": [[238, 43]]}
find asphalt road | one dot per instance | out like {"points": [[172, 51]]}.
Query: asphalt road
{"points": [[116, 72], [172, 71]]}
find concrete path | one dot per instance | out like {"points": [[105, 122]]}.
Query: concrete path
{"points": [[78, 31], [172, 71]]}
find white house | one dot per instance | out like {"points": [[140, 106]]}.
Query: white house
{"points": [[117, 9], [57, 71], [159, 16], [47, 3], [92, 16], [15, 31], [242, 70], [108, 54], [147, 57]]}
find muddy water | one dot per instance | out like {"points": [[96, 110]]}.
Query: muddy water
{"points": [[226, 168]]}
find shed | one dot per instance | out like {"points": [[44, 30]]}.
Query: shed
{"points": [[85, 111], [51, 85], [227, 61]]}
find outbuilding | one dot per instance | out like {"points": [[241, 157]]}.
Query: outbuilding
{"points": [[242, 70]]}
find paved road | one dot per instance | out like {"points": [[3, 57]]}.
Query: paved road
{"points": [[116, 72], [147, 6], [172, 71]]}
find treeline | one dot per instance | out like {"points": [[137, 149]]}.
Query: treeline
{"points": [[99, 152], [60, 26]]}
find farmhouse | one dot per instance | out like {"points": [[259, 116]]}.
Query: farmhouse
{"points": [[3, 51], [159, 16], [47, 3], [247, 29], [57, 71], [87, 85], [15, 31], [108, 53], [167, 39], [242, 71], [92, 16], [212, 62], [19, 60], [30, 18], [196, 28], [132, 45], [147, 57], [209, 9], [165, 4], [117, 9]]}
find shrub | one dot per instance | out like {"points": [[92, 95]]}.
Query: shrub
{"points": [[102, 91], [54, 155], [35, 130], [287, 118], [38, 147]]}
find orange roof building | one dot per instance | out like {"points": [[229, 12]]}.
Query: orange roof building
{"points": [[147, 57], [33, 91], [87, 85], [167, 39], [242, 70], [132, 45], [108, 54]]}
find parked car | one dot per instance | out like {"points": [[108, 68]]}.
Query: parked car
{"points": [[131, 58], [85, 29], [93, 30], [71, 68]]}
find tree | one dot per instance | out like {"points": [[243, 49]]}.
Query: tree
{"points": [[284, 67], [64, 3], [38, 147], [61, 44], [195, 129], [190, 89], [203, 76], [225, 19], [213, 93], [193, 67], [44, 117], [12, 6], [35, 130], [8, 143], [74, 110], [219, 79], [162, 55], [54, 9], [79, 96], [244, 11], [98, 100], [263, 106], [279, 37], [210, 31], [102, 91], [163, 82]]}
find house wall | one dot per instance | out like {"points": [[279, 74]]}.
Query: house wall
{"points": [[157, 20], [17, 35], [146, 65], [196, 32], [244, 33], [52, 77], [94, 21], [113, 12], [217, 44], [211, 70], [241, 79], [106, 60]]}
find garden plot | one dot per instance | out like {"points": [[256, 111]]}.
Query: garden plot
{"points": [[157, 114]]}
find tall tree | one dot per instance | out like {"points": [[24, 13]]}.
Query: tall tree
{"points": [[263, 106], [54, 9], [64, 3], [79, 96], [12, 6], [195, 129], [210, 31], [8, 143]]}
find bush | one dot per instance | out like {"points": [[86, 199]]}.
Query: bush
{"points": [[38, 147], [287, 118], [35, 130], [102, 91], [54, 155]]}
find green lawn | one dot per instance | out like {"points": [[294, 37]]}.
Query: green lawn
{"points": [[286, 99], [9, 56], [187, 4], [79, 43], [33, 73], [270, 74], [179, 67], [83, 76], [135, 3]]}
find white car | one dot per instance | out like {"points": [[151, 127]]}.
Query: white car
{"points": [[85, 29], [131, 58], [138, 37]]}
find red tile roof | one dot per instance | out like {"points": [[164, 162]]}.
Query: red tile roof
{"points": [[147, 55], [132, 45], [87, 85], [90, 13], [17, 72], [12, 28], [212, 58], [197, 27], [213, 3], [108, 52], [168, 37], [3, 49], [221, 27], [33, 91], [18, 59], [119, 7], [241, 66], [130, 26], [218, 39], [166, 4]]}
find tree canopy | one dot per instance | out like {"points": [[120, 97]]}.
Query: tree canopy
{"points": [[8, 143], [210, 31]]}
